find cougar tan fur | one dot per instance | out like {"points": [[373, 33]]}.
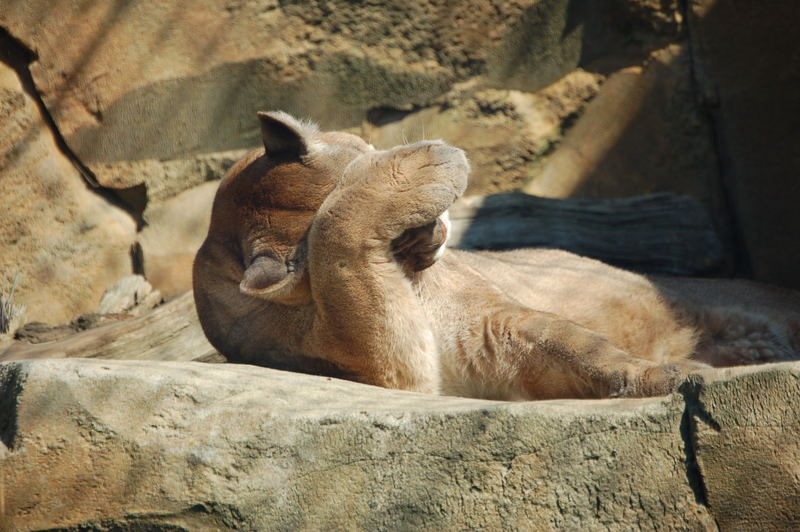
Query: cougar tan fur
{"points": [[324, 256]]}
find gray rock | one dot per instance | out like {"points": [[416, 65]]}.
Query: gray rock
{"points": [[184, 446], [747, 63], [746, 438]]}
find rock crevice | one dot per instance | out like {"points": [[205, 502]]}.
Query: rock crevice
{"points": [[694, 475]]}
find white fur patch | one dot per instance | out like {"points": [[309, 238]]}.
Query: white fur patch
{"points": [[306, 128], [445, 218]]}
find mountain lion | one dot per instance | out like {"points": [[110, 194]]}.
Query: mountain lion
{"points": [[327, 256]]}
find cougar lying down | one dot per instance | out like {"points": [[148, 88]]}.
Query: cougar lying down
{"points": [[326, 256]]}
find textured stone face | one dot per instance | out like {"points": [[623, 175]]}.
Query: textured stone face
{"points": [[643, 132], [111, 74], [201, 447], [66, 243], [146, 79], [746, 430], [507, 133]]}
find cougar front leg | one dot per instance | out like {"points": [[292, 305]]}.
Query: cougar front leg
{"points": [[543, 356], [368, 320]]}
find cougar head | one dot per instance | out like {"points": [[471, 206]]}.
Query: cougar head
{"points": [[267, 201]]}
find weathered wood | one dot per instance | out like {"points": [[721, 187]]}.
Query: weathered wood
{"points": [[657, 233], [170, 332]]}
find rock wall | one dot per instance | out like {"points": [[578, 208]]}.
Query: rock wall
{"points": [[146, 79], [116, 120], [182, 446], [555, 97]]}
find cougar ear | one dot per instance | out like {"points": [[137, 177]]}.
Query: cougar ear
{"points": [[282, 134], [264, 272]]}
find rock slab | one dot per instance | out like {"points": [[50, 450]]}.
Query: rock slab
{"points": [[185, 446]]}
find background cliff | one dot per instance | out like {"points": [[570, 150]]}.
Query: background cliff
{"points": [[115, 114]]}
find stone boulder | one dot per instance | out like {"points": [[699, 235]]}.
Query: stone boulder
{"points": [[188, 446], [66, 242], [166, 178]]}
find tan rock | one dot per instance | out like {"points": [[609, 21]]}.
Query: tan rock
{"points": [[171, 331], [588, 144], [131, 295], [149, 80], [12, 315], [643, 133], [507, 134], [66, 243], [166, 178], [175, 230], [193, 78]]}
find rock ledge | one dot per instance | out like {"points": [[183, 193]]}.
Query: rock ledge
{"points": [[188, 446]]}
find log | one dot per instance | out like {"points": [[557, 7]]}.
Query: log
{"points": [[656, 233], [169, 332]]}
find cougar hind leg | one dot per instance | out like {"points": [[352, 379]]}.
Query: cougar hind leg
{"points": [[551, 357]]}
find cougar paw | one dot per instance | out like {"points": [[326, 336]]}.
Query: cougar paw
{"points": [[427, 163], [660, 380], [652, 381]]}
